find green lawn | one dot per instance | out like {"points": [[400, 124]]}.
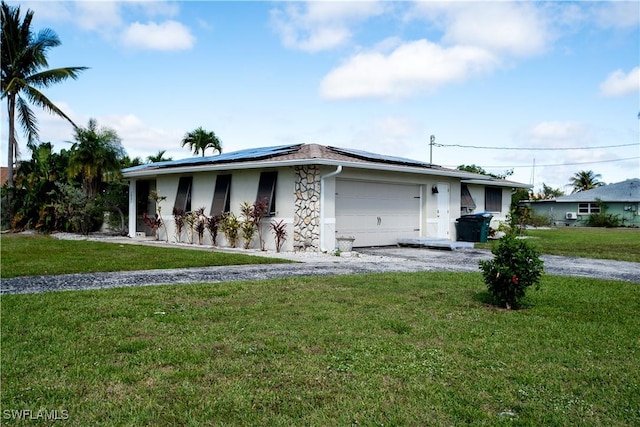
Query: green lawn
{"points": [[390, 349], [621, 244], [29, 255]]}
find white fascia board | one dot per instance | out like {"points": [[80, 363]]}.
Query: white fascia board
{"points": [[489, 182], [325, 162]]}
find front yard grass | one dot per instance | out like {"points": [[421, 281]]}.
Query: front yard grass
{"points": [[622, 244], [38, 254], [392, 349]]}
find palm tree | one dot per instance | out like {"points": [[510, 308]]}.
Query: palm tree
{"points": [[154, 158], [24, 63], [95, 156], [585, 180], [199, 140]]}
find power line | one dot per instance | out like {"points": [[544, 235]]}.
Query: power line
{"points": [[558, 164], [536, 148]]}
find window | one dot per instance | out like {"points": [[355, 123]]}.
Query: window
{"points": [[588, 208], [267, 191], [493, 199], [221, 195], [183, 198], [467, 204]]}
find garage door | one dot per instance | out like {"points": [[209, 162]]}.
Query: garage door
{"points": [[377, 214]]}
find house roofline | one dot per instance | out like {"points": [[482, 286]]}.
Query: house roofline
{"points": [[323, 162]]}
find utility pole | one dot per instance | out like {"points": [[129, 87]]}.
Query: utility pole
{"points": [[432, 140]]}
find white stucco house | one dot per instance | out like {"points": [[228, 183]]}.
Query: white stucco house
{"points": [[321, 193]]}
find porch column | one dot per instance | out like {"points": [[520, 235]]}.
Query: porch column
{"points": [[132, 207]]}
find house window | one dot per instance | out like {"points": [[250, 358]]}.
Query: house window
{"points": [[221, 195], [588, 208], [493, 199], [467, 204], [267, 191], [183, 198]]}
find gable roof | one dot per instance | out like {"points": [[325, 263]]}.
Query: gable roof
{"points": [[307, 154], [625, 191]]}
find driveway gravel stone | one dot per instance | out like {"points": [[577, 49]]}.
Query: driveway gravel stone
{"points": [[365, 260]]}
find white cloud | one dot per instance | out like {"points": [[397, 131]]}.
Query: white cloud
{"points": [[549, 133], [411, 67], [316, 26], [142, 140], [619, 83], [97, 16], [617, 14], [515, 28], [169, 35]]}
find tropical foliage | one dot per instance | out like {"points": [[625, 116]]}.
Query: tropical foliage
{"points": [[24, 73], [95, 157], [585, 180], [71, 190], [200, 140], [547, 193], [159, 157], [515, 266]]}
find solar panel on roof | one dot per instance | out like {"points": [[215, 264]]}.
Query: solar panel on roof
{"points": [[234, 156], [379, 157]]}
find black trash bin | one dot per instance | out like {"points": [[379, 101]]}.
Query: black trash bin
{"points": [[473, 228]]}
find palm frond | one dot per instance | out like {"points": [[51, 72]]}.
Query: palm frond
{"points": [[27, 120], [38, 98]]}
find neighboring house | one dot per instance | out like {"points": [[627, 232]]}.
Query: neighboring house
{"points": [[321, 193], [622, 198]]}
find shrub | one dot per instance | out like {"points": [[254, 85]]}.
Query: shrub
{"points": [[229, 225], [213, 223], [515, 267], [279, 233], [603, 219], [178, 220], [247, 223], [190, 219], [200, 224]]}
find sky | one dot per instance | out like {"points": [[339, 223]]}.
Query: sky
{"points": [[495, 83]]}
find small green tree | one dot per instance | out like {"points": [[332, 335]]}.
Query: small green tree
{"points": [[515, 266]]}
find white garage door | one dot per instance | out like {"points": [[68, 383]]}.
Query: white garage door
{"points": [[377, 214]]}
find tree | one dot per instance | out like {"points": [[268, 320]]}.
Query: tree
{"points": [[547, 193], [199, 140], [24, 72], [158, 157], [35, 188], [95, 156], [585, 180], [481, 171]]}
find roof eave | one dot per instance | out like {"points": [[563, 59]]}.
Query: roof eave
{"points": [[496, 183], [324, 162]]}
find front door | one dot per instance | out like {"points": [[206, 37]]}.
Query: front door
{"points": [[442, 212]]}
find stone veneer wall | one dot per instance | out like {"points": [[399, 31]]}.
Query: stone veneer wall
{"points": [[306, 216]]}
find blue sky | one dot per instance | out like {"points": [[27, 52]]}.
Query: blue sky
{"points": [[377, 76]]}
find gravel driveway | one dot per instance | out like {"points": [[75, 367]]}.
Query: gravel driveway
{"points": [[370, 260]]}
